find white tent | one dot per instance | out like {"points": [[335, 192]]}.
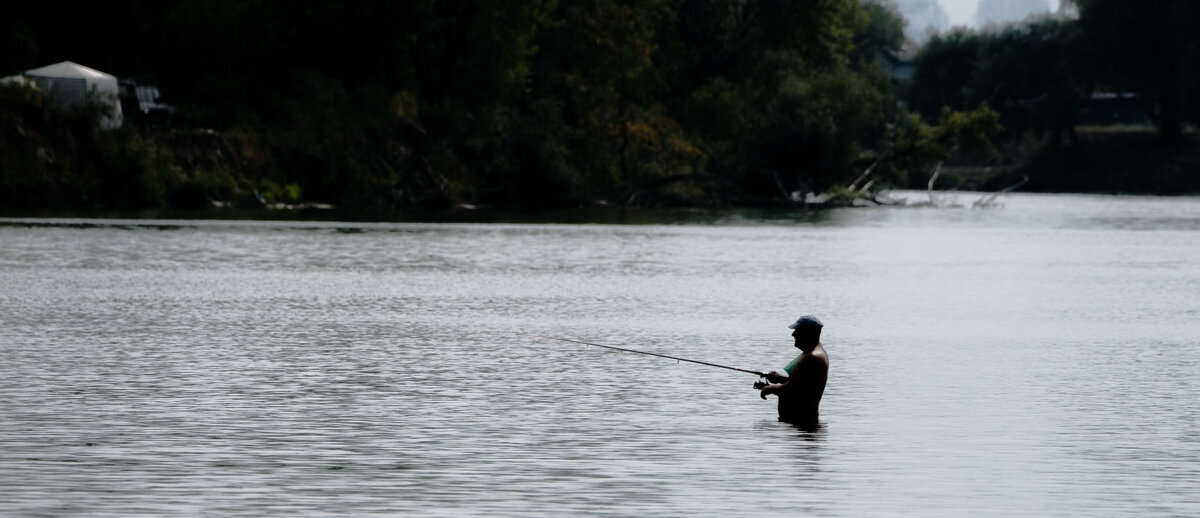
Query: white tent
{"points": [[69, 84]]}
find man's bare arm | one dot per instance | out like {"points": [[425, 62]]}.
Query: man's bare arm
{"points": [[775, 388]]}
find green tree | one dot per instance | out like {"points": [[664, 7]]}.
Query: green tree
{"points": [[780, 94], [944, 68], [1026, 72], [882, 35], [503, 102]]}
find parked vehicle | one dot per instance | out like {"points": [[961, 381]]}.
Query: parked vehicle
{"points": [[145, 104]]}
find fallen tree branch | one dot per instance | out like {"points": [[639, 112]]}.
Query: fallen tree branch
{"points": [[854, 185], [929, 187], [987, 202]]}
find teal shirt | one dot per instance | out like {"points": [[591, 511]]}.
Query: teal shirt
{"points": [[792, 364]]}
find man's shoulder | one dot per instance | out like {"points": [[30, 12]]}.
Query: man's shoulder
{"points": [[818, 356]]}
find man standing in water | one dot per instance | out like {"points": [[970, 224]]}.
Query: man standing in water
{"points": [[801, 388]]}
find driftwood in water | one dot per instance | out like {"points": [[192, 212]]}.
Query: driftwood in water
{"points": [[987, 201], [929, 187], [934, 199], [853, 185]]}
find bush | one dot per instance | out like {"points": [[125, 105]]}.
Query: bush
{"points": [[61, 157]]}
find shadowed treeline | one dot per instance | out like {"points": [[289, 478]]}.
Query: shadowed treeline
{"points": [[1078, 96], [505, 103], [529, 103]]}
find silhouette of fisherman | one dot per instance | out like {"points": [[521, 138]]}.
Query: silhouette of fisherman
{"points": [[800, 389]]}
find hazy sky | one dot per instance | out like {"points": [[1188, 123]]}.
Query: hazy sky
{"points": [[962, 12]]}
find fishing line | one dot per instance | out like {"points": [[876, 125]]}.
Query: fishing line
{"points": [[676, 358]]}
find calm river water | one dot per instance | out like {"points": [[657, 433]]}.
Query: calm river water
{"points": [[1040, 358]]}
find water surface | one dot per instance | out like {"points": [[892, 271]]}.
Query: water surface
{"points": [[1039, 358]]}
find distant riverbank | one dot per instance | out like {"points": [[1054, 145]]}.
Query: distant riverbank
{"points": [[58, 164], [1104, 160], [1119, 160]]}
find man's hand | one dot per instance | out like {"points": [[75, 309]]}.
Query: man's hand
{"points": [[769, 389], [776, 377]]}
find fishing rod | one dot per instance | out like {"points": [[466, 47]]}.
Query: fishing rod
{"points": [[760, 374]]}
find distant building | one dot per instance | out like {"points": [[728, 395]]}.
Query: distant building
{"points": [[69, 84], [923, 17], [1007, 11]]}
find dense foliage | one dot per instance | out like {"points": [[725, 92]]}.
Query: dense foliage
{"points": [[1026, 72], [1149, 47], [502, 102], [53, 157], [529, 103], [1041, 73]]}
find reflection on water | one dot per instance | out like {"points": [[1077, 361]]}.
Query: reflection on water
{"points": [[1034, 359]]}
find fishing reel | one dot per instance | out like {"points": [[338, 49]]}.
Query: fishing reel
{"points": [[766, 379]]}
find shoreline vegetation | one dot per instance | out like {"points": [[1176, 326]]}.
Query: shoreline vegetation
{"points": [[545, 105]]}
